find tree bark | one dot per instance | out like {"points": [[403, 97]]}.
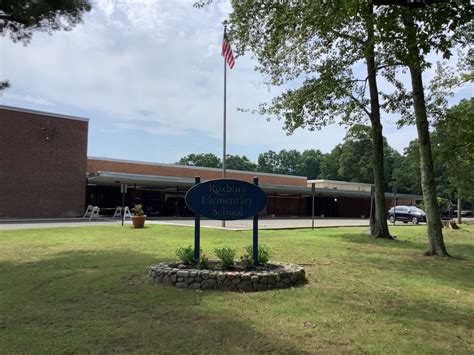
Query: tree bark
{"points": [[428, 185], [378, 226], [459, 221]]}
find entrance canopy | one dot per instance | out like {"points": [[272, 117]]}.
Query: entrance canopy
{"points": [[108, 178]]}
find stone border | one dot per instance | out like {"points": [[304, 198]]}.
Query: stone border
{"points": [[280, 275]]}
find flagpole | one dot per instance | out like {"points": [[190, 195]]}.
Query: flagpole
{"points": [[225, 115]]}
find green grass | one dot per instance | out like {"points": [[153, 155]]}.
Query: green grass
{"points": [[85, 289]]}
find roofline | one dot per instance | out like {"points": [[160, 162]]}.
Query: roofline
{"points": [[269, 187], [44, 113], [338, 182], [197, 167]]}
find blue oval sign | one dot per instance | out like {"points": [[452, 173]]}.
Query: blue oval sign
{"points": [[226, 199]]}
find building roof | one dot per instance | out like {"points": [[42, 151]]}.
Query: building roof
{"points": [[110, 178], [43, 113]]}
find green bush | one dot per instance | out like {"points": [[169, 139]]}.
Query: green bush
{"points": [[264, 253], [186, 255], [247, 262], [226, 255], [204, 261]]}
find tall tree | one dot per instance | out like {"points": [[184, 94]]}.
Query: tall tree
{"points": [[207, 160], [237, 162], [320, 42], [268, 162], [19, 19], [409, 33], [455, 149], [310, 163]]}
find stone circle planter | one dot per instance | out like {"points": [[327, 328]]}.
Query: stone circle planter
{"points": [[275, 276]]}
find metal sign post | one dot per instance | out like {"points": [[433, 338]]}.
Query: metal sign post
{"points": [[123, 190], [197, 228], [255, 232]]}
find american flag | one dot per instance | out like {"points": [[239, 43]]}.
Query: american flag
{"points": [[227, 53]]}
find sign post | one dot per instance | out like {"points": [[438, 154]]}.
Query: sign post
{"points": [[255, 232], [197, 228], [123, 190]]}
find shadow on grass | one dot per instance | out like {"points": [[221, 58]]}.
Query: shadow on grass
{"points": [[100, 301], [453, 271]]}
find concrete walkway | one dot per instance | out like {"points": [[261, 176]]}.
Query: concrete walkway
{"points": [[246, 224]]}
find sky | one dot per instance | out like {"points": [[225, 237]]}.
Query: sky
{"points": [[149, 77]]}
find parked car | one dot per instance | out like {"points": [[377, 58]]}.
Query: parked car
{"points": [[406, 214]]}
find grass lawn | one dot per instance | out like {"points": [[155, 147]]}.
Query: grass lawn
{"points": [[86, 290]]}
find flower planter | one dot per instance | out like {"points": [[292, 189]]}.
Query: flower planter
{"points": [[138, 221]]}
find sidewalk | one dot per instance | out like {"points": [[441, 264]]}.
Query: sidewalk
{"points": [[246, 224]]}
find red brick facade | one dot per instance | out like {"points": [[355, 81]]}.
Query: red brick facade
{"points": [[97, 164], [43, 160]]}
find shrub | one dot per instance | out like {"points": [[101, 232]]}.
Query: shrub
{"points": [[186, 255], [226, 255], [264, 253], [204, 261], [247, 262], [138, 210]]}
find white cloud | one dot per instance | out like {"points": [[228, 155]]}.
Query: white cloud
{"points": [[154, 67]]}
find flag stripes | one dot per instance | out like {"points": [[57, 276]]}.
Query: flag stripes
{"points": [[227, 53]]}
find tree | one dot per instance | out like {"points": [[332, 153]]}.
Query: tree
{"points": [[268, 162], [455, 149], [319, 42], [289, 162], [406, 171], [310, 163], [21, 18], [237, 162], [207, 160], [408, 34], [355, 160]]}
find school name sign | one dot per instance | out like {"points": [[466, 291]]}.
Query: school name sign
{"points": [[226, 199]]}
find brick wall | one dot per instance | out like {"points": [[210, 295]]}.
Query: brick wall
{"points": [[96, 164], [43, 161]]}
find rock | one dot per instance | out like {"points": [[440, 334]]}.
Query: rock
{"points": [[182, 273], [209, 284], [236, 281], [260, 287], [195, 285], [226, 283], [181, 285], [193, 273], [220, 276], [212, 275], [231, 275], [255, 279], [246, 276], [245, 286], [231, 287], [189, 280], [173, 278]]}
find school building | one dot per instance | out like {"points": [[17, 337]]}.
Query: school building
{"points": [[45, 173]]}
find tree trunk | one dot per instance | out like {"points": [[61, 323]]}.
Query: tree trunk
{"points": [[428, 185], [378, 227], [459, 221]]}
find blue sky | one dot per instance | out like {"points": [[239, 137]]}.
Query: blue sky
{"points": [[149, 76]]}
